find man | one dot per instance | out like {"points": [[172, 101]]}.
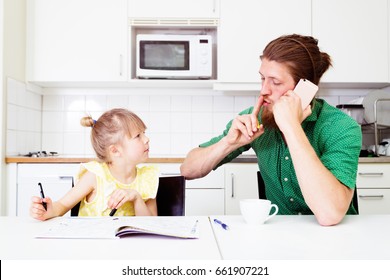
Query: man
{"points": [[308, 158]]}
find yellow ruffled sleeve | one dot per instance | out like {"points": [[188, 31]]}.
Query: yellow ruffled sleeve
{"points": [[92, 166], [147, 181]]}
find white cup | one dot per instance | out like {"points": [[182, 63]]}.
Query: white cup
{"points": [[257, 211]]}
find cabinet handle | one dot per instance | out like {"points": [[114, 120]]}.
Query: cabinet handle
{"points": [[120, 65], [232, 177], [171, 174], [214, 4], [379, 196], [371, 173], [66, 177]]}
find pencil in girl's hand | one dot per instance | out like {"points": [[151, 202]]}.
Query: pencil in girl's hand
{"points": [[113, 211], [42, 196]]}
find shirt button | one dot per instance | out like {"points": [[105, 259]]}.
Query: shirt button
{"points": [[286, 158], [291, 199], [285, 179]]}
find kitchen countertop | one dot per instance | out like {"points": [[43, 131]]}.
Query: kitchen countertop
{"points": [[78, 159]]}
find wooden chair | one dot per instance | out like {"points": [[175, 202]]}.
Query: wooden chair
{"points": [[261, 187], [170, 197]]}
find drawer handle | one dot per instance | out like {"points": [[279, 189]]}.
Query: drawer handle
{"points": [[232, 176], [379, 196], [371, 173], [66, 177], [171, 174]]}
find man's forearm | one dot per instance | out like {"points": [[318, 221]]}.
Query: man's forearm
{"points": [[200, 161]]}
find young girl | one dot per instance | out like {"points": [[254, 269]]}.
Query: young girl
{"points": [[114, 182]]}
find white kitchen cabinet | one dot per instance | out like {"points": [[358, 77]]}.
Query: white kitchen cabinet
{"points": [[246, 27], [355, 34], [56, 180], [174, 9], [373, 188], [240, 183], [72, 41]]}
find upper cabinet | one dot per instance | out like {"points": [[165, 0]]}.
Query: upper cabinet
{"points": [[355, 34], [72, 40], [245, 29], [173, 9]]}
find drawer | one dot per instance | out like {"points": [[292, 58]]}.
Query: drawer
{"points": [[373, 176], [205, 202], [374, 201]]}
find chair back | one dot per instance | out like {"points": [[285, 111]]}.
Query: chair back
{"points": [[74, 212], [261, 186], [171, 196]]}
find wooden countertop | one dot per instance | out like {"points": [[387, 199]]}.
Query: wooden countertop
{"points": [[70, 159]]}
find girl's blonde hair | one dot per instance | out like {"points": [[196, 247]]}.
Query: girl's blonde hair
{"points": [[111, 128]]}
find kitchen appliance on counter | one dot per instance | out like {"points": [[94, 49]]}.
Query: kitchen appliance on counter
{"points": [[356, 111], [40, 154]]}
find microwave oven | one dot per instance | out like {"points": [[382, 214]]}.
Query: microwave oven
{"points": [[163, 56]]}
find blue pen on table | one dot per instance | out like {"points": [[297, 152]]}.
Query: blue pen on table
{"points": [[223, 225], [42, 196]]}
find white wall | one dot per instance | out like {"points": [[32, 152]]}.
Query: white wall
{"points": [[177, 119]]}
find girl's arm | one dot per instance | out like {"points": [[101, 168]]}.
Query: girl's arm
{"points": [[83, 187]]}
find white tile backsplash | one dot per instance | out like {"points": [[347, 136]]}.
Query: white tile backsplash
{"points": [[74, 143], [223, 104], [53, 121], [175, 123], [160, 103], [74, 103], [181, 122], [117, 101], [181, 103], [53, 103], [202, 122], [95, 103]]}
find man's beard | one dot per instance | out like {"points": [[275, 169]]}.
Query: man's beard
{"points": [[268, 120]]}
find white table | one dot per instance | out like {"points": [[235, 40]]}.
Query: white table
{"points": [[281, 238], [17, 242], [301, 237]]}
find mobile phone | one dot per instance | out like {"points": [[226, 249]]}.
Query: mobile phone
{"points": [[306, 91]]}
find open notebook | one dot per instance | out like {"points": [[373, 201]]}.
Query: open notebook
{"points": [[118, 227]]}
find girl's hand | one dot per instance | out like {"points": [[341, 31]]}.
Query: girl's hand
{"points": [[37, 211], [119, 197]]}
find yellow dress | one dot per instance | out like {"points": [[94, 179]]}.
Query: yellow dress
{"points": [[146, 183]]}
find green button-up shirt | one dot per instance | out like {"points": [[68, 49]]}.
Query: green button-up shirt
{"points": [[336, 139]]}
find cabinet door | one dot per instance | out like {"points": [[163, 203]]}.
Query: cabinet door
{"points": [[71, 40], [246, 27], [204, 202], [174, 8], [240, 183], [354, 33], [56, 180], [374, 201]]}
